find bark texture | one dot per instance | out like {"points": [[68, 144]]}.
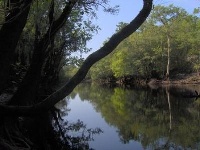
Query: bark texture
{"points": [[10, 34], [50, 101], [27, 92]]}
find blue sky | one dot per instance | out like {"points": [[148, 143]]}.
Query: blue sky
{"points": [[128, 10]]}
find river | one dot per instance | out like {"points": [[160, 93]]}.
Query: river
{"points": [[137, 118]]}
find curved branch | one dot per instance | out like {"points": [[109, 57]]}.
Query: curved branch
{"points": [[80, 75]]}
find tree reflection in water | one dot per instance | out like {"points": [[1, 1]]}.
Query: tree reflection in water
{"points": [[66, 130], [159, 118]]}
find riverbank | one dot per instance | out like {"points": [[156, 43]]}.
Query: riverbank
{"points": [[187, 79], [193, 78]]}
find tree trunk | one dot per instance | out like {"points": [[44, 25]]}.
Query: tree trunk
{"points": [[9, 36], [114, 41], [27, 92], [168, 57]]}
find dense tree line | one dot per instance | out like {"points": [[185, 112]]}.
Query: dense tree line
{"points": [[166, 45], [36, 39], [147, 115], [48, 43]]}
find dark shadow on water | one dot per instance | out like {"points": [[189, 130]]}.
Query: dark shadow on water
{"points": [[161, 117], [45, 132], [158, 118]]}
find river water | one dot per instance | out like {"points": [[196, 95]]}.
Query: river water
{"points": [[137, 118]]}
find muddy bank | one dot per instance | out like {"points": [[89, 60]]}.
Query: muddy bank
{"points": [[137, 80], [189, 79]]}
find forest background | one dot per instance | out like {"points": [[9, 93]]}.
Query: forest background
{"points": [[37, 42], [167, 43]]}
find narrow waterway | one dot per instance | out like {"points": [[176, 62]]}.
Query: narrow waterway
{"points": [[137, 118], [109, 139]]}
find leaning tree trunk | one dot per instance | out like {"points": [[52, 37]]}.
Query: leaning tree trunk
{"points": [[10, 34], [45, 105], [114, 41], [27, 92]]}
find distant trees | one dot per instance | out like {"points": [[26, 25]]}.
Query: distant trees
{"points": [[165, 45], [36, 39], [165, 16], [143, 115], [40, 36], [50, 44]]}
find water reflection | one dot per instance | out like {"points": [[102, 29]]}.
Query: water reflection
{"points": [[158, 118]]}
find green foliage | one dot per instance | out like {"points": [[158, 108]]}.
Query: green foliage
{"points": [[101, 69], [68, 71], [143, 115], [145, 53], [68, 44]]}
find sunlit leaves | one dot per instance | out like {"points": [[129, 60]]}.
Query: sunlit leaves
{"points": [[102, 69], [146, 51]]}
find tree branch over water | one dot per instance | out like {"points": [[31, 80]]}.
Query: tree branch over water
{"points": [[114, 41]]}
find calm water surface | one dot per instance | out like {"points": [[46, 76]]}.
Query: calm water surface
{"points": [[138, 118]]}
